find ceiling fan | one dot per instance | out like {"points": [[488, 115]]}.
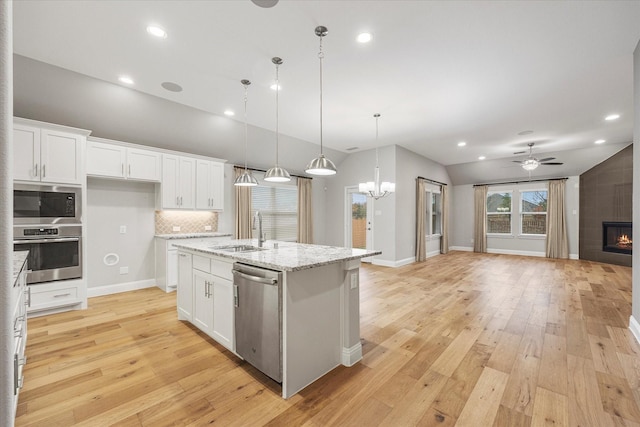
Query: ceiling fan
{"points": [[531, 163]]}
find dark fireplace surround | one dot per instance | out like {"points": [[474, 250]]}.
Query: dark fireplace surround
{"points": [[617, 237]]}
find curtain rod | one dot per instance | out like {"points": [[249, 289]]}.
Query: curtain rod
{"points": [[521, 182], [432, 180], [262, 170]]}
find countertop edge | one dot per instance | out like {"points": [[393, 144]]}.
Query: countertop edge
{"points": [[191, 235]]}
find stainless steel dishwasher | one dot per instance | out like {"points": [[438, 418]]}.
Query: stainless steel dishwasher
{"points": [[258, 296]]}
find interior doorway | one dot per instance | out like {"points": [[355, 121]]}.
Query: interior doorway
{"points": [[358, 220]]}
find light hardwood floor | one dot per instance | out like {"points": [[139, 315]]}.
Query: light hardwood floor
{"points": [[461, 339]]}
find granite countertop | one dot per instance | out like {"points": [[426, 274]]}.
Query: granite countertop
{"points": [[19, 260], [286, 257], [191, 235]]}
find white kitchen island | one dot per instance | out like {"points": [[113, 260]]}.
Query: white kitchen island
{"points": [[320, 301]]}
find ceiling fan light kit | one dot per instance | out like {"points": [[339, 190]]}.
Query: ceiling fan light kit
{"points": [[531, 163]]}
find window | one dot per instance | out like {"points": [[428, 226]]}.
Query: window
{"points": [[434, 211], [278, 204], [533, 212], [499, 212]]}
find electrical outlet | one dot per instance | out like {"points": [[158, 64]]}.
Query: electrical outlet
{"points": [[207, 228], [123, 229], [124, 270], [176, 228], [354, 280]]}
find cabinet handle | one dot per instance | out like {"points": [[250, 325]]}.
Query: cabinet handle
{"points": [[122, 168], [182, 255], [177, 201], [62, 295], [16, 378], [235, 295], [180, 200], [129, 170], [35, 170], [28, 301], [44, 171]]}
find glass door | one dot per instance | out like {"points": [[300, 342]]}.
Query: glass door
{"points": [[358, 220]]}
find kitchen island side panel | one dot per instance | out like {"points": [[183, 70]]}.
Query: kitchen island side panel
{"points": [[312, 325]]}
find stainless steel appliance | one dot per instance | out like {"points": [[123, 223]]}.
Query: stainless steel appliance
{"points": [[55, 251], [258, 319], [46, 204]]}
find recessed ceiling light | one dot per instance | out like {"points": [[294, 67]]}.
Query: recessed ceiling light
{"points": [[525, 132], [461, 144], [612, 117], [275, 87], [482, 157], [600, 141], [364, 37], [156, 31], [126, 80], [229, 113]]}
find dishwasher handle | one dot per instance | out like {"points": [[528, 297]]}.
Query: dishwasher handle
{"points": [[265, 280]]}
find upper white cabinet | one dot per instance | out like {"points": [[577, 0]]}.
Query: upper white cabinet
{"points": [[209, 185], [117, 161], [45, 154], [178, 182]]}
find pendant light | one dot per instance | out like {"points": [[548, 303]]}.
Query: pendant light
{"points": [[374, 188], [321, 165], [246, 179], [276, 173]]}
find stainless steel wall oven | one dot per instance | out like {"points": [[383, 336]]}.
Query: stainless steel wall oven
{"points": [[55, 251]]}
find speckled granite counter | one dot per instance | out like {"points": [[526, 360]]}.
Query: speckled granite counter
{"points": [[287, 257], [19, 259], [191, 235]]}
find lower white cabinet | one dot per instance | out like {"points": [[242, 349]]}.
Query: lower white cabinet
{"points": [[167, 259], [185, 289], [206, 297], [54, 297]]}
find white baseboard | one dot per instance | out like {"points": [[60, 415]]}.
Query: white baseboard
{"points": [[432, 254], [99, 291], [574, 256], [400, 263], [461, 248], [513, 252], [634, 326], [351, 356]]}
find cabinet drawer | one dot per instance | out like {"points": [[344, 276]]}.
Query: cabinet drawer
{"points": [[53, 297], [222, 269], [202, 263]]}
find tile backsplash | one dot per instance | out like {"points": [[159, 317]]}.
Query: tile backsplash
{"points": [[188, 221]]}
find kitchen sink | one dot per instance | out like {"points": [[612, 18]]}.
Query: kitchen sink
{"points": [[237, 248]]}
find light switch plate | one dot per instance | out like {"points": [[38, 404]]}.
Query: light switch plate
{"points": [[123, 229], [176, 228], [354, 281], [124, 270], [207, 228]]}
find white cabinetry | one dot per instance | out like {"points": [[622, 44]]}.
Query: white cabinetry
{"points": [[209, 185], [44, 154], [185, 287], [167, 259], [19, 302], [211, 290], [178, 182], [117, 161]]}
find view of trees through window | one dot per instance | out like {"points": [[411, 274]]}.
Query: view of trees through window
{"points": [[533, 212], [499, 213], [358, 220]]}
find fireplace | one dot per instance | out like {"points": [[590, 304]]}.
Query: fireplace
{"points": [[617, 237]]}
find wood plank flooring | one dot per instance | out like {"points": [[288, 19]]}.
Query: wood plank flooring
{"points": [[460, 339]]}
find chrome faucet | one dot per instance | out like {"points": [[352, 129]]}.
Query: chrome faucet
{"points": [[261, 238]]}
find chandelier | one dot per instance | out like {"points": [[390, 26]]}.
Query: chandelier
{"points": [[375, 188]]}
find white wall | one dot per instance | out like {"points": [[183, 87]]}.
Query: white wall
{"points": [[111, 204], [409, 166], [635, 307], [6, 214], [356, 168], [463, 217]]}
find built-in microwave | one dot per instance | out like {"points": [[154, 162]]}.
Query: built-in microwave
{"points": [[46, 204]]}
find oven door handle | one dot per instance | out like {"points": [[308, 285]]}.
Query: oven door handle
{"points": [[57, 240]]}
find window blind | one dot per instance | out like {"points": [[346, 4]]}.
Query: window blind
{"points": [[278, 204]]}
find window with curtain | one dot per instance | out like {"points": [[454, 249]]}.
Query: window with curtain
{"points": [[278, 204], [533, 212], [499, 212], [434, 213]]}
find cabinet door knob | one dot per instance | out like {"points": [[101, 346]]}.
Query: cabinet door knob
{"points": [[35, 170], [44, 170]]}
